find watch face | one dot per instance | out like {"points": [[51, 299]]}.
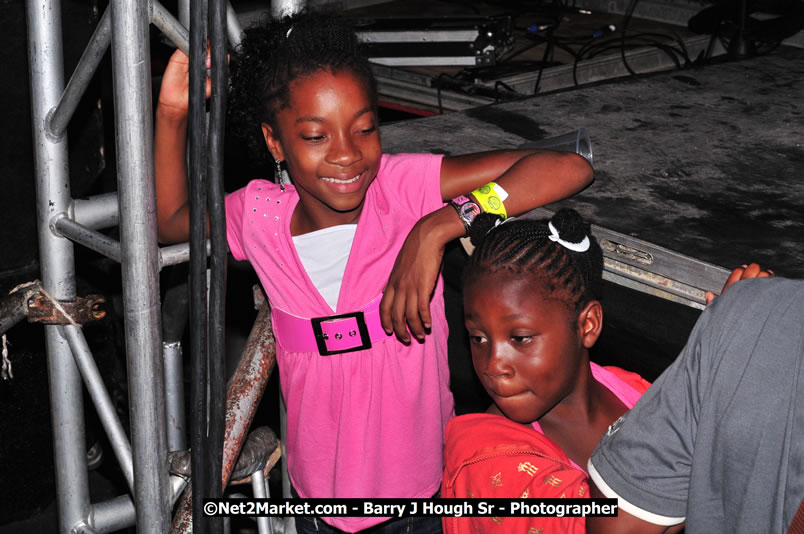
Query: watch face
{"points": [[469, 211]]}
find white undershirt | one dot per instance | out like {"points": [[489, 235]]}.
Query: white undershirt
{"points": [[323, 254]]}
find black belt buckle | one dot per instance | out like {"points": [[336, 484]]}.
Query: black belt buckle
{"points": [[321, 339]]}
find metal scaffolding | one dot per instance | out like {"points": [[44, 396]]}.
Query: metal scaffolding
{"points": [[63, 220]]}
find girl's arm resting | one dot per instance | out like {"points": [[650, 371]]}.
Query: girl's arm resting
{"points": [[406, 299], [531, 178]]}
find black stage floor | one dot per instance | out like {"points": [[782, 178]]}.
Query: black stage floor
{"points": [[706, 161]]}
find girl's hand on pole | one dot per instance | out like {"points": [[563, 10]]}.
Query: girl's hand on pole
{"points": [[170, 143], [744, 272], [174, 92]]}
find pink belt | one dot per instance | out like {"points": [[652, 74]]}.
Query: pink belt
{"points": [[335, 334]]}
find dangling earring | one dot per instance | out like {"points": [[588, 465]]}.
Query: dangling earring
{"points": [[279, 175]]}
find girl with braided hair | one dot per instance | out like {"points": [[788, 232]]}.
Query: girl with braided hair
{"points": [[349, 253], [532, 314], [531, 308]]}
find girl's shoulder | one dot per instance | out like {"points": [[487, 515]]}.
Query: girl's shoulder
{"points": [[411, 182]]}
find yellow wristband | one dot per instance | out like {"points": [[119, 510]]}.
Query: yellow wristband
{"points": [[491, 197]]}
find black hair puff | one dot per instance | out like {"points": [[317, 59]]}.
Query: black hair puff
{"points": [[481, 227]]}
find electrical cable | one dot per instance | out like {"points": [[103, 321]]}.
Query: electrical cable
{"points": [[626, 20], [675, 54], [547, 51], [579, 47], [198, 266], [217, 234], [509, 93]]}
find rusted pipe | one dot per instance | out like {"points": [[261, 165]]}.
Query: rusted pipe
{"points": [[12, 310], [243, 395]]}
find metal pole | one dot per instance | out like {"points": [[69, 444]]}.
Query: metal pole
{"points": [[174, 254], [113, 515], [13, 310], [140, 261], [118, 513], [56, 258], [283, 8], [199, 378], [216, 308], [172, 28], [96, 212], [103, 402], [80, 79], [176, 426], [184, 13], [261, 491], [91, 239], [234, 30]]}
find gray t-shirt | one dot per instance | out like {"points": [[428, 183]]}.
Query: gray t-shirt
{"points": [[719, 437]]}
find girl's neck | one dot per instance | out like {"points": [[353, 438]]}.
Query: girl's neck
{"points": [[304, 220], [580, 405], [578, 422]]}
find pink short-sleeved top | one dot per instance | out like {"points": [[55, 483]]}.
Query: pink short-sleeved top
{"points": [[367, 423]]}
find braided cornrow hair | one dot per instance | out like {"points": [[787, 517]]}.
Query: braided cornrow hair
{"points": [[522, 247], [274, 53]]}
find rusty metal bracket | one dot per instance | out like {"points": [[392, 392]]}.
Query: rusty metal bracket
{"points": [[41, 309]]}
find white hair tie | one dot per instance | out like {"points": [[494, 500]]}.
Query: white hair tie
{"points": [[287, 35], [583, 246], [500, 221]]}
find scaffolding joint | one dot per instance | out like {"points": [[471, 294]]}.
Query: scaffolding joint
{"points": [[51, 136], [43, 309], [54, 222]]}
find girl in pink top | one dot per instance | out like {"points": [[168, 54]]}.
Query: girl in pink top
{"points": [[349, 254]]}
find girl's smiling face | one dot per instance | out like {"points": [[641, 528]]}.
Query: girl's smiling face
{"points": [[528, 349], [328, 136]]}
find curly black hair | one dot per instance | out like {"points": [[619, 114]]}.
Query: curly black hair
{"points": [[274, 53], [523, 248]]}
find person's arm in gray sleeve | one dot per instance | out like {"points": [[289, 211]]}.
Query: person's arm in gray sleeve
{"points": [[623, 522], [711, 442], [644, 459]]}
